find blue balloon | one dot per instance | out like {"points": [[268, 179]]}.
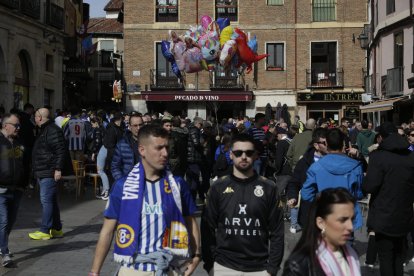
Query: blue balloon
{"points": [[253, 44], [223, 22], [165, 49], [174, 68]]}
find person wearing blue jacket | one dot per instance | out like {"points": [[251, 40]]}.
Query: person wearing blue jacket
{"points": [[335, 170]]}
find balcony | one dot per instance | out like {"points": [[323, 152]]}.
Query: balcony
{"points": [[395, 82], [162, 80], [227, 9], [368, 82], [55, 16], [227, 80], [317, 79], [166, 13], [30, 8], [13, 4]]}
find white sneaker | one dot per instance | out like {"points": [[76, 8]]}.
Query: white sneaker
{"points": [[105, 195], [412, 260], [292, 230]]}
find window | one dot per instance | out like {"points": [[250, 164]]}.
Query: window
{"points": [[163, 66], [276, 60], [275, 2], [166, 11], [107, 45], [47, 97], [49, 63], [398, 49], [390, 6], [324, 10], [227, 8]]}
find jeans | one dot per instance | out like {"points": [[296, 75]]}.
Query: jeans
{"points": [[390, 254], [51, 212], [294, 212], [259, 165], [9, 204], [100, 166]]}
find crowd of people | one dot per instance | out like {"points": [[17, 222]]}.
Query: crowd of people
{"points": [[248, 175]]}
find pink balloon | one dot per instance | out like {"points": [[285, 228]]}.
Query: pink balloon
{"points": [[205, 21]]}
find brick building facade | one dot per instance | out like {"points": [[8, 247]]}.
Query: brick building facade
{"points": [[315, 65]]}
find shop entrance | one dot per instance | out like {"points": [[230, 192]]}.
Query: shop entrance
{"points": [[331, 112], [226, 110]]}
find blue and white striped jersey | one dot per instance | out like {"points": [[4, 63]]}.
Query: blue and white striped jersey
{"points": [[75, 133]]}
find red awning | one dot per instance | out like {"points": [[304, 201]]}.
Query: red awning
{"points": [[193, 96]]}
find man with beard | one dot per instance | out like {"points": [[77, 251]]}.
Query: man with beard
{"points": [[242, 226]]}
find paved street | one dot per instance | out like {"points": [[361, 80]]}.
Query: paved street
{"points": [[72, 255]]}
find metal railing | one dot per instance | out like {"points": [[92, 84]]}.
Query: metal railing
{"points": [[13, 4], [30, 8], [318, 79], [368, 82], [395, 82], [227, 10], [161, 79], [227, 80]]}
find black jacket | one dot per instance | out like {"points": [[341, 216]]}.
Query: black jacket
{"points": [[50, 152], [112, 135], [177, 151], [11, 164], [296, 183], [242, 226], [194, 147], [300, 265], [282, 165], [390, 180]]}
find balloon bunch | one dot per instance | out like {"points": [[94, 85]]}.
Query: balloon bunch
{"points": [[209, 45]]}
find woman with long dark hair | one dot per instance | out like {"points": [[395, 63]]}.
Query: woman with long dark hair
{"points": [[322, 248]]}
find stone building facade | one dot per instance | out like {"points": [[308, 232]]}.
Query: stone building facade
{"points": [[315, 63]]}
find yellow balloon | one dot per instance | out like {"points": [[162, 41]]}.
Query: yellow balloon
{"points": [[225, 35]]}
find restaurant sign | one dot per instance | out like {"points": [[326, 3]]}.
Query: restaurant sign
{"points": [[244, 96], [329, 97]]}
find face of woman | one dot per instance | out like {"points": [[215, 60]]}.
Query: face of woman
{"points": [[338, 225]]}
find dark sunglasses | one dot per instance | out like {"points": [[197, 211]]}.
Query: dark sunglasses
{"points": [[239, 153], [15, 125], [323, 143], [412, 134]]}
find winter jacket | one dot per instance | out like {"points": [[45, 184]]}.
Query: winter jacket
{"points": [[195, 148], [300, 265], [390, 180], [365, 139], [112, 135], [50, 152], [97, 141], [177, 151], [242, 225], [282, 165], [125, 156], [334, 171], [298, 147], [11, 164]]}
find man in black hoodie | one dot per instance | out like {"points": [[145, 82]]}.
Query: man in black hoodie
{"points": [[390, 180]]}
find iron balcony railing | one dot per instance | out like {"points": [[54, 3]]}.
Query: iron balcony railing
{"points": [[227, 9], [13, 4], [319, 79], [162, 79], [227, 80], [395, 82], [324, 10], [166, 12], [30, 8], [55, 16], [368, 82]]}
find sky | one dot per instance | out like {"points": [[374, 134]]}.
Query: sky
{"points": [[96, 7]]}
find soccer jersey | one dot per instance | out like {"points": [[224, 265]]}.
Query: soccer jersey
{"points": [[152, 219], [75, 133]]}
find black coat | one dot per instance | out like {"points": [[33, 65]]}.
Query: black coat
{"points": [[390, 180], [300, 265], [11, 164], [112, 135], [177, 151], [194, 147], [50, 152]]}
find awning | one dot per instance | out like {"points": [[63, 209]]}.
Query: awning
{"points": [[382, 105], [196, 96]]}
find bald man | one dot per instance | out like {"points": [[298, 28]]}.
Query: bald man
{"points": [[49, 155]]}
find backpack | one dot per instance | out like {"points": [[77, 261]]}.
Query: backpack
{"points": [[221, 166]]}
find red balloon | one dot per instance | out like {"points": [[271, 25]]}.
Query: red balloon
{"points": [[246, 55]]}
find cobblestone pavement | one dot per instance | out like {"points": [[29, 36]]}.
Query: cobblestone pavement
{"points": [[82, 219]]}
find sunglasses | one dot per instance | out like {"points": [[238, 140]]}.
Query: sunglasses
{"points": [[15, 125], [323, 143], [411, 134], [239, 153]]}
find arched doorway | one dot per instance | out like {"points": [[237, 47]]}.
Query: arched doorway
{"points": [[21, 80]]}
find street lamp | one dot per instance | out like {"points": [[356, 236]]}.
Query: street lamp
{"points": [[364, 37]]}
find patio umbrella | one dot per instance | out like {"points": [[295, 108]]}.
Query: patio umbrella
{"points": [[278, 114], [268, 113], [286, 115]]}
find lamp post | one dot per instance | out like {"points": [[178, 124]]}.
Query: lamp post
{"points": [[364, 41]]}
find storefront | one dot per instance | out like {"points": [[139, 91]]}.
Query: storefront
{"points": [[329, 105], [193, 103]]}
